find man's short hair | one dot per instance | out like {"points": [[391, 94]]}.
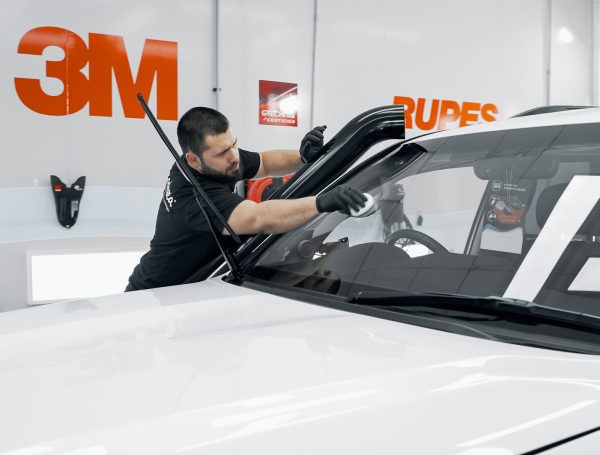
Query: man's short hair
{"points": [[196, 124]]}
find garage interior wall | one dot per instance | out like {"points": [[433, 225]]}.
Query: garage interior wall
{"points": [[481, 52], [572, 49], [124, 162], [346, 57]]}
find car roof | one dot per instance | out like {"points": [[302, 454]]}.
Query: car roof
{"points": [[570, 117]]}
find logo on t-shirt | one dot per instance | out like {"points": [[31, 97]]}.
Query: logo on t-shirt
{"points": [[168, 198]]}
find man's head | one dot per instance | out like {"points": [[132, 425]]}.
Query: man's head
{"points": [[209, 144]]}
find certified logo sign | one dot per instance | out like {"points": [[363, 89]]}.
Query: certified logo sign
{"points": [[278, 103], [497, 185]]}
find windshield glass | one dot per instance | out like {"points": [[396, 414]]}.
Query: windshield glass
{"points": [[507, 213]]}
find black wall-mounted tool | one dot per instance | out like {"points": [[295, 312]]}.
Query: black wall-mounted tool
{"points": [[67, 199]]}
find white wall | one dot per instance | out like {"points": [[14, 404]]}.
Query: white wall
{"points": [[571, 59], [463, 50], [264, 40]]}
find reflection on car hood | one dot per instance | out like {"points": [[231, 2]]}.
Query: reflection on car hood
{"points": [[213, 368]]}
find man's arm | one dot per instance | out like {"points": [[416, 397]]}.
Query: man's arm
{"points": [[272, 217], [278, 162], [282, 162], [282, 215]]}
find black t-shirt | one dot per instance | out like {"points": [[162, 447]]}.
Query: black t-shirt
{"points": [[183, 241]]}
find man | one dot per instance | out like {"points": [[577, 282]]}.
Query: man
{"points": [[182, 241]]}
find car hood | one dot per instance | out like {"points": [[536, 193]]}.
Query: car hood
{"points": [[214, 368]]}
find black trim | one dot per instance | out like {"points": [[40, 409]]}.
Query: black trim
{"points": [[561, 442], [359, 134], [338, 303], [477, 226], [549, 109]]}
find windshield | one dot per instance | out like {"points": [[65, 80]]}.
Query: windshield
{"points": [[505, 213]]}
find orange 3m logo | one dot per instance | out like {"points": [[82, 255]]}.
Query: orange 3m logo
{"points": [[441, 112], [104, 55]]}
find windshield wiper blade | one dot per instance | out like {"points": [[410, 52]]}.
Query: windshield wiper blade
{"points": [[500, 306], [201, 197]]}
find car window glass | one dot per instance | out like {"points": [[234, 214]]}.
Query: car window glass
{"points": [[463, 217], [441, 203]]}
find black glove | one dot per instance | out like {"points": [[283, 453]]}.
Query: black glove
{"points": [[311, 144], [342, 198]]}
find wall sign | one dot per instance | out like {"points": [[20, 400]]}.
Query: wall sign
{"points": [[278, 103], [439, 113], [104, 56]]}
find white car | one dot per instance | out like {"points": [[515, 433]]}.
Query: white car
{"points": [[408, 331]]}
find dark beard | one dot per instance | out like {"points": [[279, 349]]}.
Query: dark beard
{"points": [[219, 177]]}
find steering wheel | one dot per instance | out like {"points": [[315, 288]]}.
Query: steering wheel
{"points": [[418, 237]]}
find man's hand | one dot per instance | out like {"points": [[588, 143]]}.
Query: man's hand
{"points": [[312, 144], [342, 198]]}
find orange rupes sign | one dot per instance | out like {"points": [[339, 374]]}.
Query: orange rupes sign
{"points": [[104, 56], [441, 112]]}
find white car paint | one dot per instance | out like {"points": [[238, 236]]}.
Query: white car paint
{"points": [[213, 368], [570, 117]]}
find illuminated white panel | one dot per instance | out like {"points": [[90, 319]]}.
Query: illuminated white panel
{"points": [[587, 278], [80, 275]]}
